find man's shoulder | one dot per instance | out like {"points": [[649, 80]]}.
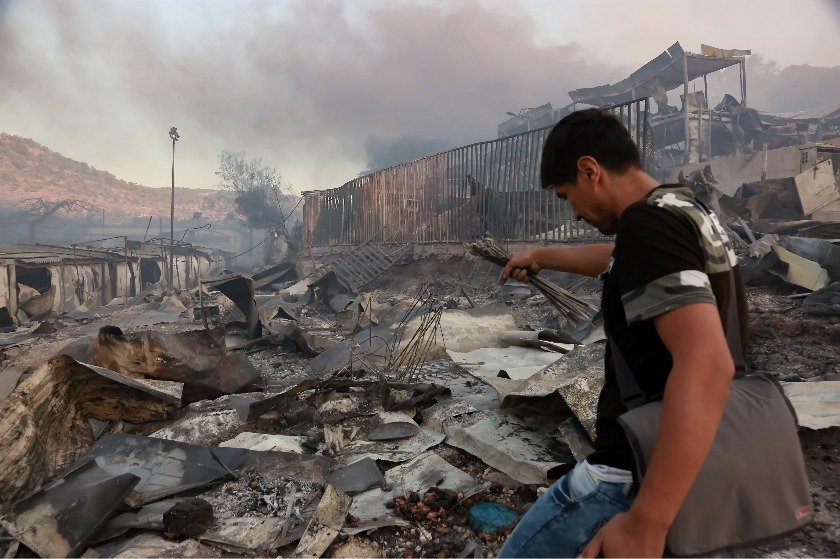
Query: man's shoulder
{"points": [[666, 206], [671, 209], [673, 199]]}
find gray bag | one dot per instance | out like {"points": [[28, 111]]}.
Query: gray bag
{"points": [[752, 486]]}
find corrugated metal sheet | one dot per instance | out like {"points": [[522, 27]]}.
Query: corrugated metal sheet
{"points": [[41, 255], [665, 71], [457, 195]]}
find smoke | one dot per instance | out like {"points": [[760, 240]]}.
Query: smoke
{"points": [[311, 87], [385, 152], [778, 90], [303, 89]]}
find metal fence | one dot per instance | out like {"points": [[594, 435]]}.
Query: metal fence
{"points": [[457, 195]]}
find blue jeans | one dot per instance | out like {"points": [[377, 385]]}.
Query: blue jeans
{"points": [[566, 517]]}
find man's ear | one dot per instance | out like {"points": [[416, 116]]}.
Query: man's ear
{"points": [[589, 168]]}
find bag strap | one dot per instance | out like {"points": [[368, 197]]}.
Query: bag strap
{"points": [[632, 396], [733, 322]]}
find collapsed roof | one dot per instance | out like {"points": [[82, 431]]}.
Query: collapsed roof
{"points": [[663, 73]]}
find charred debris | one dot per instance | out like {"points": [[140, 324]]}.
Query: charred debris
{"points": [[378, 394]]}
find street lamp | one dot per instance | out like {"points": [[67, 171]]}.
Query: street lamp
{"points": [[173, 133]]}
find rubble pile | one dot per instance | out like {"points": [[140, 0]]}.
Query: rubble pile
{"points": [[421, 417]]}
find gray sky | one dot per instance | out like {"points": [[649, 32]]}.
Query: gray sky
{"points": [[305, 84]]}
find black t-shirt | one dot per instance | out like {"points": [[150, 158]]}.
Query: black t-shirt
{"points": [[668, 253]]}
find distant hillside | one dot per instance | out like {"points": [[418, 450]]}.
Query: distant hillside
{"points": [[29, 170]]}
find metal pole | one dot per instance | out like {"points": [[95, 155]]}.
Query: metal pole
{"points": [[127, 274], [172, 222], [187, 261], [685, 106], [645, 134], [709, 114], [201, 302]]}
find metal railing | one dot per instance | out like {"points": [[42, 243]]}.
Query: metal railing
{"points": [[458, 195]]}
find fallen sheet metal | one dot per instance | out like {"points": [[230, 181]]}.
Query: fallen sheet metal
{"points": [[148, 545], [166, 390], [373, 349], [824, 253], [9, 339], [366, 397], [798, 270], [44, 421], [264, 442], [326, 524], [394, 431], [528, 453], [274, 307], [278, 273], [425, 471], [203, 429], [572, 383], [357, 477], [149, 517], [165, 467], [62, 519], [823, 302], [360, 313], [817, 404], [300, 293], [40, 305], [516, 362], [348, 440], [194, 358], [249, 408], [818, 190], [308, 468], [572, 433], [167, 311], [8, 380], [468, 393], [468, 330], [240, 290], [245, 535], [546, 339]]}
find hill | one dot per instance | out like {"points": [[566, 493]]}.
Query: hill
{"points": [[30, 170]]}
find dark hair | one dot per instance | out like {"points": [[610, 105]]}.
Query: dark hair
{"points": [[593, 132]]}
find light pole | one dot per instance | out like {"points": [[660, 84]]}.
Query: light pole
{"points": [[173, 133]]}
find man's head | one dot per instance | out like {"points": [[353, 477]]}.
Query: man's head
{"points": [[583, 156]]}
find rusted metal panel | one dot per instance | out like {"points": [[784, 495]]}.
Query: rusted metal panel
{"points": [[491, 186]]}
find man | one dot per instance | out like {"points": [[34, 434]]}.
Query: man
{"points": [[665, 292]]}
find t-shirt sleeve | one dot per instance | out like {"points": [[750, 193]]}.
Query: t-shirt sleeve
{"points": [[660, 263]]}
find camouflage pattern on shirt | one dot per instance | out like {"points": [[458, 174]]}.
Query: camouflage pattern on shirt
{"points": [[667, 293], [689, 286]]}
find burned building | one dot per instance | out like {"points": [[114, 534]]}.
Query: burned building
{"points": [[40, 279], [493, 186], [36, 280]]}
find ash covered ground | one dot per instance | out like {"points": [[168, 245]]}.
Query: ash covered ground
{"points": [[431, 520]]}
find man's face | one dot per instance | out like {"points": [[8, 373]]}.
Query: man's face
{"points": [[587, 203]]}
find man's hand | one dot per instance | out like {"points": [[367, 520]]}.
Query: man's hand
{"points": [[627, 535], [519, 266], [588, 260]]}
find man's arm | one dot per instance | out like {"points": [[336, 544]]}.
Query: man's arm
{"points": [[695, 396], [588, 260]]}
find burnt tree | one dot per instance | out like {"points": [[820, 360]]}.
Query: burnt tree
{"points": [[36, 213], [258, 193]]}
